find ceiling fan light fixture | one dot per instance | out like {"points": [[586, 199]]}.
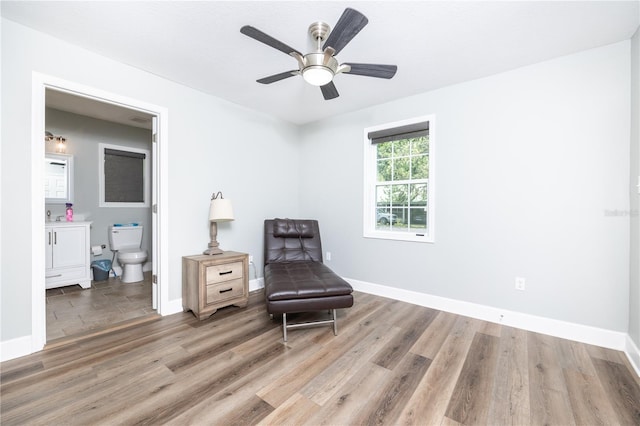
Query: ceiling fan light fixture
{"points": [[317, 75], [320, 66]]}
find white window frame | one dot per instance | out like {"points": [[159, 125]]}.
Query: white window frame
{"points": [[146, 176], [370, 177]]}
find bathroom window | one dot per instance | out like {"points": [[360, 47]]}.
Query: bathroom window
{"points": [[124, 176]]}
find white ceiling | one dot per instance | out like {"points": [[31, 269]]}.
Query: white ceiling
{"points": [[433, 43]]}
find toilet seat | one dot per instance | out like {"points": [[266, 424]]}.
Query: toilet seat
{"points": [[132, 255]]}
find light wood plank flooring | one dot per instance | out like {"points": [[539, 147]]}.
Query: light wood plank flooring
{"points": [[72, 310], [392, 363]]}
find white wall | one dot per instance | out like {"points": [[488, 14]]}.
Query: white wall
{"points": [[84, 134], [213, 145], [528, 164]]}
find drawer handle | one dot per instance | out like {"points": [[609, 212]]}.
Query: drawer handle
{"points": [[53, 276], [224, 291], [225, 273]]}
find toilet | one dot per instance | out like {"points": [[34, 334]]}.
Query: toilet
{"points": [[126, 241]]}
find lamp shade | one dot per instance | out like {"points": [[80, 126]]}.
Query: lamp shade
{"points": [[220, 210]]}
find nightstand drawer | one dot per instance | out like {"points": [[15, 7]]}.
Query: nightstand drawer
{"points": [[225, 272], [224, 291]]}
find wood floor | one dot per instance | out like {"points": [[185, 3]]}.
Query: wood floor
{"points": [[72, 310], [392, 363]]}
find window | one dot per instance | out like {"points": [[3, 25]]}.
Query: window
{"points": [[399, 180], [123, 176]]}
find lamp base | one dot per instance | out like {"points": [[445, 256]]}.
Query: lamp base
{"points": [[212, 250], [213, 244]]}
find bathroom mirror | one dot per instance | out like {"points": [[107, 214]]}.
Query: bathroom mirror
{"points": [[58, 178]]}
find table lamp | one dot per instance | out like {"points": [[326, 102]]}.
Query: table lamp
{"points": [[220, 210]]}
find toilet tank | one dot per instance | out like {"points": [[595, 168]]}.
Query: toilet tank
{"points": [[125, 237]]}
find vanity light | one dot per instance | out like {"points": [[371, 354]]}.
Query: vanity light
{"points": [[61, 148]]}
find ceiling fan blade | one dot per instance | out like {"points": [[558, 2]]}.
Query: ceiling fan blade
{"points": [[349, 24], [277, 77], [372, 70], [329, 91], [267, 39]]}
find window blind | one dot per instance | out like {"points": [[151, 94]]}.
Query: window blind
{"points": [[408, 131], [123, 176]]}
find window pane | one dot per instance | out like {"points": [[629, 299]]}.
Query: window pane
{"points": [[418, 211], [385, 219], [418, 194], [420, 167], [384, 170], [383, 195], [401, 168], [399, 195], [420, 145], [417, 218], [401, 217], [384, 149], [401, 148]]}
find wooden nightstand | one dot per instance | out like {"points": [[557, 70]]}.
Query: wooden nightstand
{"points": [[213, 282]]}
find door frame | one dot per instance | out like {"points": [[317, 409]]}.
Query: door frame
{"points": [[41, 82]]}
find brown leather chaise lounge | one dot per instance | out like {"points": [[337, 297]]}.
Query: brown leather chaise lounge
{"points": [[295, 279]]}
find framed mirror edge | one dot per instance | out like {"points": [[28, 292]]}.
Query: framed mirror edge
{"points": [[68, 158]]}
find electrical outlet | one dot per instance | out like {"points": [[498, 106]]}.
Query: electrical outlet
{"points": [[328, 256], [520, 283], [250, 258]]}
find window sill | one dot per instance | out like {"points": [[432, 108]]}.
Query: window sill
{"points": [[400, 236]]}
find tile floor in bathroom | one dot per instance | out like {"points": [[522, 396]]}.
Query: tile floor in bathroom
{"points": [[72, 310]]}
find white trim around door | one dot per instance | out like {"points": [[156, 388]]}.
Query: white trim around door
{"points": [[40, 83]]}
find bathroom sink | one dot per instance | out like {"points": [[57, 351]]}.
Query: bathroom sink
{"points": [[58, 219]]}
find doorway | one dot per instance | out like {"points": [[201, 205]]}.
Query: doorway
{"points": [[84, 125], [105, 106]]}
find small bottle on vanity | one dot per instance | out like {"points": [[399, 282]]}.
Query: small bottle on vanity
{"points": [[69, 212]]}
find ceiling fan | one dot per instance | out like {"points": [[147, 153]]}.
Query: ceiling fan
{"points": [[318, 68]]}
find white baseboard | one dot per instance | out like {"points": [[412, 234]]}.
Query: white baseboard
{"points": [[175, 306], [256, 284], [22, 346], [15, 348], [566, 330], [172, 307], [633, 353]]}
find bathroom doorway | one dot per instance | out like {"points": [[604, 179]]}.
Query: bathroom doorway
{"points": [[80, 127], [76, 101]]}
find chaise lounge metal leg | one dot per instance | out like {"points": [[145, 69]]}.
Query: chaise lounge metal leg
{"points": [[333, 320], [335, 323], [284, 326]]}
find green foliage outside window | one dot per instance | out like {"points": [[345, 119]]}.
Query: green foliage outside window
{"points": [[402, 180]]}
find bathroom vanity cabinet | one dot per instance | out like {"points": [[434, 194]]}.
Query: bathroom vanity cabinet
{"points": [[67, 254]]}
